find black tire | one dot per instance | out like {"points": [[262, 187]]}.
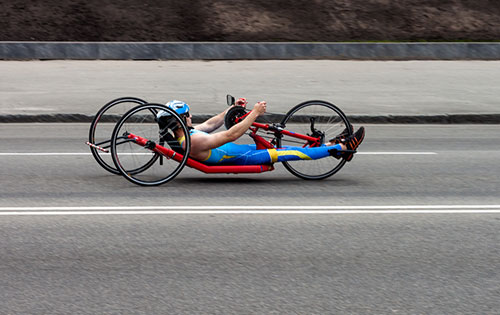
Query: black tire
{"points": [[102, 126], [329, 120], [127, 155]]}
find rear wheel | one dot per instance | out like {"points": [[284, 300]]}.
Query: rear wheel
{"points": [[316, 119], [102, 126], [138, 164]]}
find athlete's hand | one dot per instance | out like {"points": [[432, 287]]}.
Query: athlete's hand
{"points": [[260, 108], [241, 102]]}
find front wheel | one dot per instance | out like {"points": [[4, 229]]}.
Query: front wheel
{"points": [[317, 119]]}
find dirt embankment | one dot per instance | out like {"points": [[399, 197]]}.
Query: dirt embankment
{"points": [[243, 20]]}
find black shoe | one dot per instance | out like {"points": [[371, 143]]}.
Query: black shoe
{"points": [[341, 137], [352, 143]]}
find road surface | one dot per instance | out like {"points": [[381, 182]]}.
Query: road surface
{"points": [[409, 226]]}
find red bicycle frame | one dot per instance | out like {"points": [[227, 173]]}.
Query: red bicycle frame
{"points": [[171, 154], [263, 144]]}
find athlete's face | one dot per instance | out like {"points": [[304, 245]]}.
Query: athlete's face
{"points": [[189, 123]]}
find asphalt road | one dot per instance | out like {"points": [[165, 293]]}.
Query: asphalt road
{"points": [[340, 262]]}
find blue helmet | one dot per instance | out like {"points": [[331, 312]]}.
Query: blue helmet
{"points": [[179, 106], [165, 118]]}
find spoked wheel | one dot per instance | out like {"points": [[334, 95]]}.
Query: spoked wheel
{"points": [[102, 126], [316, 119], [139, 164]]}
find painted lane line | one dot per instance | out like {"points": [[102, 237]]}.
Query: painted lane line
{"points": [[146, 153], [397, 153], [246, 212], [63, 153], [253, 208]]}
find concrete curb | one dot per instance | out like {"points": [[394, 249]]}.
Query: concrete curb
{"points": [[247, 50], [356, 119]]}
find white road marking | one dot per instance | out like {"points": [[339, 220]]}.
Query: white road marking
{"points": [[391, 207], [64, 153], [238, 210], [398, 153], [146, 153]]}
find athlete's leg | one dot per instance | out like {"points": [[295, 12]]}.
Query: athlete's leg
{"points": [[248, 155], [291, 153], [238, 154]]}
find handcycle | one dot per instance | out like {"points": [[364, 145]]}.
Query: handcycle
{"points": [[147, 154]]}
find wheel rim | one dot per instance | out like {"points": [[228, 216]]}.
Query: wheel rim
{"points": [[330, 121], [102, 126], [136, 163]]}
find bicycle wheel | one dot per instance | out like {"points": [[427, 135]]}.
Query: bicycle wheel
{"points": [[102, 126], [130, 157], [318, 119]]}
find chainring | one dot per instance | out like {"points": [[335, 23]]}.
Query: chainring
{"points": [[232, 114]]}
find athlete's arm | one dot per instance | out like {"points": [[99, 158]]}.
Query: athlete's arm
{"points": [[212, 123], [202, 143], [215, 122]]}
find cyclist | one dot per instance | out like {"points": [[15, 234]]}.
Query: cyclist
{"points": [[218, 148]]}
